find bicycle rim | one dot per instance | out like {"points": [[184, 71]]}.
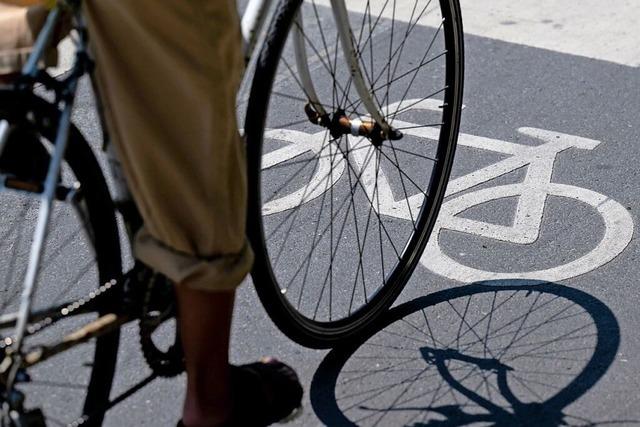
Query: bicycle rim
{"points": [[81, 252], [338, 222]]}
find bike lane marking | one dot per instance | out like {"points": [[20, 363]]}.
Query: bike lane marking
{"points": [[539, 161], [528, 216], [617, 236], [329, 169], [532, 194]]}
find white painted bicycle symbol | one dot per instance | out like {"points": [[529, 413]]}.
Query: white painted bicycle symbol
{"points": [[532, 193]]}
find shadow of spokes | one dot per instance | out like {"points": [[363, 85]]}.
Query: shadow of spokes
{"points": [[501, 353]]}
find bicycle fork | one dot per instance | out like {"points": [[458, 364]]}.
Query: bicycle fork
{"points": [[376, 128]]}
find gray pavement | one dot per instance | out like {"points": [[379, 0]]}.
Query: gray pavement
{"points": [[475, 338]]}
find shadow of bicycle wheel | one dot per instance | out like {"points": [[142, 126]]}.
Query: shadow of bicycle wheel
{"points": [[505, 353]]}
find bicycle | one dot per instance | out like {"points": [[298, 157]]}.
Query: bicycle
{"points": [[54, 162]]}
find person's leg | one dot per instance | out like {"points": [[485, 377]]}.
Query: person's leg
{"points": [[168, 84], [205, 319]]}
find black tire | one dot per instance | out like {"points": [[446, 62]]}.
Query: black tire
{"points": [[99, 223], [273, 224]]}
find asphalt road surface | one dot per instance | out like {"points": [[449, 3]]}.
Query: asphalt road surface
{"points": [[523, 309]]}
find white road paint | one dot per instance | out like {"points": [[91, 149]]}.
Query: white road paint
{"points": [[617, 236], [605, 30], [528, 216], [532, 194], [540, 159], [328, 169]]}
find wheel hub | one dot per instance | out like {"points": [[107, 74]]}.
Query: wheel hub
{"points": [[340, 124]]}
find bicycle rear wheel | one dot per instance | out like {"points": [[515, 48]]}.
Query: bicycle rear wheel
{"points": [[338, 222], [81, 252]]}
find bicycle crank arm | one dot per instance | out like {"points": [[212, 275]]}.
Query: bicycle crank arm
{"points": [[101, 326], [62, 193]]}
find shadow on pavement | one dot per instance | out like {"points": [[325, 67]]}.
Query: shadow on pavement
{"points": [[500, 353]]}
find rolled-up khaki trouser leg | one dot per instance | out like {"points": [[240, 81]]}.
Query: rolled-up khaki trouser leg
{"points": [[168, 73]]}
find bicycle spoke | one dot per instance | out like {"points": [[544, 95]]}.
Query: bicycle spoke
{"points": [[421, 126], [313, 247], [339, 209], [426, 53], [408, 107], [320, 157], [403, 173], [422, 64], [404, 188], [333, 252], [299, 171], [360, 267], [324, 64], [308, 259], [295, 211], [322, 36], [405, 38], [393, 21], [398, 52]]}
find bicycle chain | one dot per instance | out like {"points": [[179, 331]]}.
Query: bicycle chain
{"points": [[66, 311]]}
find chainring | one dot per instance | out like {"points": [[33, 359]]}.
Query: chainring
{"points": [[159, 306]]}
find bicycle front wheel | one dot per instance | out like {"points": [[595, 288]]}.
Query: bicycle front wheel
{"points": [[339, 221]]}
